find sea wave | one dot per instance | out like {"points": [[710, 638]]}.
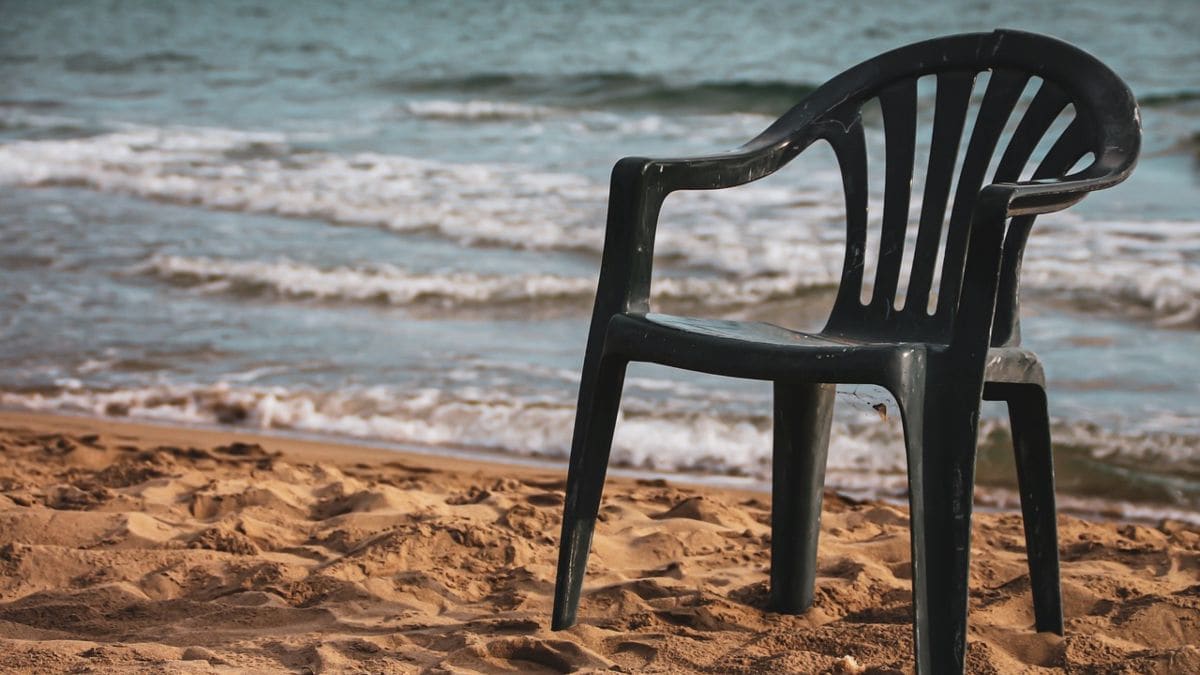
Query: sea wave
{"points": [[1148, 471], [477, 110], [1149, 268], [260, 172], [765, 241], [617, 90], [388, 284], [156, 62], [22, 122], [370, 283], [1168, 295], [723, 129], [647, 436], [1168, 98], [474, 204]]}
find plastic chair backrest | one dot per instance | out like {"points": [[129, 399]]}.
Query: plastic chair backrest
{"points": [[1071, 81]]}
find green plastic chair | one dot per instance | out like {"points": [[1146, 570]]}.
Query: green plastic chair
{"points": [[937, 364]]}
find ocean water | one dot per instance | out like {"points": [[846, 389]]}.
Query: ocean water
{"points": [[383, 221]]}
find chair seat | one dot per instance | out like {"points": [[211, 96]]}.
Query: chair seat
{"points": [[762, 350], [753, 349], [750, 331]]}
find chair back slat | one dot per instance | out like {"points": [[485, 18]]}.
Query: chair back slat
{"points": [[949, 117], [899, 106], [1045, 107], [1004, 88], [850, 147]]}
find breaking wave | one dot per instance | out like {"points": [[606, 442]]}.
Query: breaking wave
{"points": [[763, 242], [1169, 98], [866, 453], [618, 90], [647, 436], [154, 62], [374, 283], [475, 110], [391, 285], [1151, 269]]}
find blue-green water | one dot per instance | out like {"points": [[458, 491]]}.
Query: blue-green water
{"points": [[383, 220]]}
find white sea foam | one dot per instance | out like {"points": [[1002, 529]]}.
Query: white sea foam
{"points": [[396, 286], [866, 456], [474, 111], [865, 452], [226, 169], [765, 240], [475, 204], [723, 129], [1152, 266], [374, 283], [1170, 292], [17, 118]]}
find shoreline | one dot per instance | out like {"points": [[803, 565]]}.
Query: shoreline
{"points": [[324, 447], [988, 498], [128, 547]]}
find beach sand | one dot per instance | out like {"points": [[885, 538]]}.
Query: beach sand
{"points": [[132, 548]]}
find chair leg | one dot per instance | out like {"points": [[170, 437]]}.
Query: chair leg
{"points": [[803, 414], [599, 402], [940, 428], [1035, 477]]}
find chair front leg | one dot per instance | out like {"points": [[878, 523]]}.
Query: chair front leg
{"points": [[940, 425], [803, 415], [599, 402]]}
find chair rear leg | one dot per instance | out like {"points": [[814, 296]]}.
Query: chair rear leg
{"points": [[803, 414], [1035, 476], [599, 402], [940, 427]]}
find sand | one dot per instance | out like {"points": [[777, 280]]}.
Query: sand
{"points": [[130, 548]]}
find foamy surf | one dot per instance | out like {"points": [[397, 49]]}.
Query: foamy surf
{"points": [[473, 204], [1148, 267], [767, 241], [374, 283], [866, 454], [648, 435], [477, 110], [392, 285]]}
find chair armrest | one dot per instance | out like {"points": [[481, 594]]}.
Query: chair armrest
{"points": [[639, 186], [981, 280], [633, 206], [1033, 197], [758, 158], [739, 166], [996, 204]]}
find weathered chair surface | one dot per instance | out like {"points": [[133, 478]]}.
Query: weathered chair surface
{"points": [[688, 342], [939, 342]]}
